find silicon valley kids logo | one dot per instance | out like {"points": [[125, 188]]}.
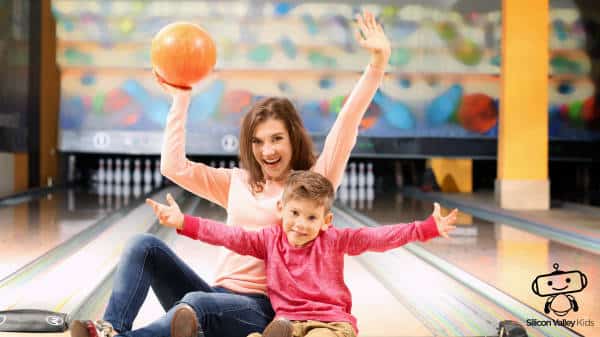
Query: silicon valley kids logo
{"points": [[559, 287]]}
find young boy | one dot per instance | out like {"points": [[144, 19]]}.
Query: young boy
{"points": [[304, 257]]}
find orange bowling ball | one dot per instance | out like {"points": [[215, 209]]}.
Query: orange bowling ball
{"points": [[182, 54]]}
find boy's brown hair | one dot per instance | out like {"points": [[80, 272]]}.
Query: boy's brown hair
{"points": [[309, 185]]}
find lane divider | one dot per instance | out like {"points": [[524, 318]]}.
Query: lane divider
{"points": [[573, 239]]}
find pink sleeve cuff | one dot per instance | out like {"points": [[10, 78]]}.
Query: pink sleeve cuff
{"points": [[429, 229], [190, 226]]}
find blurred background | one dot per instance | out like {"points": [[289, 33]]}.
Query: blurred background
{"points": [[78, 72]]}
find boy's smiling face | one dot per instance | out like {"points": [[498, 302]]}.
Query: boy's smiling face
{"points": [[302, 220]]}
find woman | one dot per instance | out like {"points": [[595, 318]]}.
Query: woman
{"points": [[273, 142]]}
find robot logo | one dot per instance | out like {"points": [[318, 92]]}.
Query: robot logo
{"points": [[558, 286]]}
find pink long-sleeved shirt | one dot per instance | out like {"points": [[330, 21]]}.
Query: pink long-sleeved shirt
{"points": [[307, 283], [229, 188]]}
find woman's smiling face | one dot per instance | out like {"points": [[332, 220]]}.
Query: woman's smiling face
{"points": [[272, 148]]}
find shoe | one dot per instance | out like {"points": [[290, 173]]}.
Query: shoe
{"points": [[184, 322], [89, 328], [279, 327]]}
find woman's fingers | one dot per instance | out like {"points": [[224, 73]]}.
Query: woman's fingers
{"points": [[361, 25], [370, 20]]}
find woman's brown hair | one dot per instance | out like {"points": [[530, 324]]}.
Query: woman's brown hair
{"points": [[281, 109]]}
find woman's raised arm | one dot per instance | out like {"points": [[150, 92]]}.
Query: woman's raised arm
{"points": [[342, 136], [205, 181]]}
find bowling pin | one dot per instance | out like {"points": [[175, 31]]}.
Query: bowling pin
{"points": [[147, 172], [108, 172], [101, 176], [361, 177], [137, 172], [157, 175], [117, 174], [126, 174], [352, 179], [370, 178], [71, 169]]}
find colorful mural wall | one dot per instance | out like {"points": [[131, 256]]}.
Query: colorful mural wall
{"points": [[442, 80]]}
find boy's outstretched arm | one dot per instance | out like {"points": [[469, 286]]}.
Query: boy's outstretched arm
{"points": [[354, 241], [382, 238], [212, 232]]}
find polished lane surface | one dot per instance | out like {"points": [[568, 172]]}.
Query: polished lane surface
{"points": [[32, 228]]}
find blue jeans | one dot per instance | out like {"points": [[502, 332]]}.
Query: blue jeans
{"points": [[149, 262]]}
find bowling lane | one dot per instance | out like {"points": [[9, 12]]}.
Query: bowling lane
{"points": [[503, 256], [30, 229]]}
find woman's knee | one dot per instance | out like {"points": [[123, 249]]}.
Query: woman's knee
{"points": [[197, 300], [140, 244]]}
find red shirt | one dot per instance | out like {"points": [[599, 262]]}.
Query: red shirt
{"points": [[307, 283]]}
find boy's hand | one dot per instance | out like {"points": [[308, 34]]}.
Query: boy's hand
{"points": [[373, 37], [169, 215], [445, 224]]}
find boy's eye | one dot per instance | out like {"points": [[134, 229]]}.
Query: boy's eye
{"points": [[295, 213], [312, 218]]}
